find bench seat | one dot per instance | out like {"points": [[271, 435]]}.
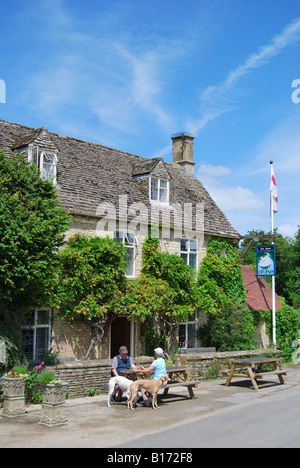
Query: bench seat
{"points": [[188, 384]]}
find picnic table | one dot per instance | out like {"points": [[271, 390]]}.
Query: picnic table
{"points": [[178, 377], [253, 369]]}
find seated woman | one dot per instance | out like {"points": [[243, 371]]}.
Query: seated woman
{"points": [[158, 366]]}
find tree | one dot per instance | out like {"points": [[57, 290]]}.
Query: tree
{"points": [[293, 280], [32, 227], [164, 294], [91, 282]]}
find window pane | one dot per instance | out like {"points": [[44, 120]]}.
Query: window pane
{"points": [[130, 261], [48, 157], [118, 236], [48, 171], [191, 335], [184, 257], [28, 335], [42, 342], [154, 189], [129, 240], [163, 195], [182, 335], [193, 261], [35, 156], [183, 245], [193, 245], [42, 317]]}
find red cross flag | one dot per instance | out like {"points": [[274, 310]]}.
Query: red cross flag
{"points": [[274, 193]]}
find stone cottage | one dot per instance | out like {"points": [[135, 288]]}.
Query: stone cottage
{"points": [[122, 195]]}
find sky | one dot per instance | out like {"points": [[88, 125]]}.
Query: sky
{"points": [[130, 74]]}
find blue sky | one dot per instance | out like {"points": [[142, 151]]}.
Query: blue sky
{"points": [[129, 74]]}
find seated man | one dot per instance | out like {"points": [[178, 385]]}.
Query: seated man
{"points": [[119, 364], [122, 362]]}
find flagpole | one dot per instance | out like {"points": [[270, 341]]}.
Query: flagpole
{"points": [[273, 277]]}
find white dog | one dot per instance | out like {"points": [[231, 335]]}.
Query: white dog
{"points": [[123, 384]]}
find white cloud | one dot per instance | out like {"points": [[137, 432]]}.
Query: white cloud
{"points": [[218, 99], [228, 198], [233, 199], [288, 230]]}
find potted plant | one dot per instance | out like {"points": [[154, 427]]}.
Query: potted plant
{"points": [[13, 384], [54, 395]]}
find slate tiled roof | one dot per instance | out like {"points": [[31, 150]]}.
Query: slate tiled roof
{"points": [[90, 174], [259, 293]]}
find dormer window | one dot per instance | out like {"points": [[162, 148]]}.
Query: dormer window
{"points": [[159, 190], [46, 161]]}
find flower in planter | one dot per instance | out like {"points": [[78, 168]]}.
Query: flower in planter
{"points": [[17, 372]]}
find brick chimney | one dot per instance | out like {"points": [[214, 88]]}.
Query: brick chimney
{"points": [[183, 152]]}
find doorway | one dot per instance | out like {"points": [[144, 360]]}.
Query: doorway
{"points": [[120, 335]]}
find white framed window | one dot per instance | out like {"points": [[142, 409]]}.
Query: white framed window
{"points": [[48, 166], [129, 240], [159, 190], [37, 333], [46, 161], [189, 252], [187, 333]]}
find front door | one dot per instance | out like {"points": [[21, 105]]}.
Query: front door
{"points": [[120, 335]]}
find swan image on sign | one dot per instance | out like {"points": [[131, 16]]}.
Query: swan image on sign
{"points": [[266, 260]]}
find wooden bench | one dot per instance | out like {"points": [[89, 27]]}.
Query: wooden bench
{"points": [[189, 385], [252, 369]]}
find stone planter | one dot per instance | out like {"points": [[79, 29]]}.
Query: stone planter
{"points": [[13, 397], [53, 406]]}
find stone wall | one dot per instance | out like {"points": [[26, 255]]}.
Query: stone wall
{"points": [[83, 375]]}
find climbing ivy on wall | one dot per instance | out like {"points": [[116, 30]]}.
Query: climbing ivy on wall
{"points": [[222, 297]]}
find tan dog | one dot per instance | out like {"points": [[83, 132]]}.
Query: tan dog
{"points": [[151, 386]]}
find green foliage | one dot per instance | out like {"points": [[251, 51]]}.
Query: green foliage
{"points": [[92, 276], [172, 269], [232, 330], [166, 288], [222, 297], [220, 281], [11, 334], [20, 369], [46, 377], [222, 264], [32, 227], [287, 327]]}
